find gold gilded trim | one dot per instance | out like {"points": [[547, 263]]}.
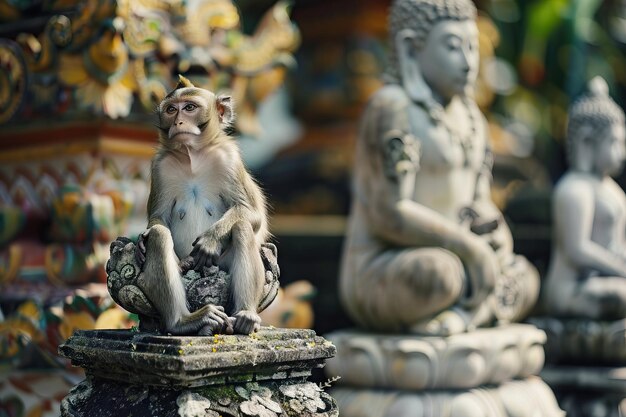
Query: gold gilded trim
{"points": [[104, 145]]}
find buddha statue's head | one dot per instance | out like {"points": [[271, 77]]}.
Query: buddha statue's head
{"points": [[434, 48], [595, 132]]}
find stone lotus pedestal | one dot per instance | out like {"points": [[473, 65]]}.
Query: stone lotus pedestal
{"points": [[143, 374], [587, 365], [487, 372]]}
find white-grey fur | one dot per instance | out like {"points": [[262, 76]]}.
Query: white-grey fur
{"points": [[204, 204]]}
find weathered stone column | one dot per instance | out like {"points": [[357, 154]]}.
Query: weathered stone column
{"points": [[143, 374]]}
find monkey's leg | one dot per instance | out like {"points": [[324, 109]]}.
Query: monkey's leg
{"points": [[162, 284], [248, 276]]}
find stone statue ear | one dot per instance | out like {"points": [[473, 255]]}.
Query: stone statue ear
{"points": [[584, 152], [412, 79]]}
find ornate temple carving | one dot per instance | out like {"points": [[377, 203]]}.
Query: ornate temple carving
{"points": [[119, 58], [79, 81]]}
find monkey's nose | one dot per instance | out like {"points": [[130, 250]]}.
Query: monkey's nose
{"points": [[180, 123]]}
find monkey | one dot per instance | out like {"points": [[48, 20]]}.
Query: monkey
{"points": [[204, 208]]}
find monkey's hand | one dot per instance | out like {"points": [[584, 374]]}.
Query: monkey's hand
{"points": [[140, 248], [206, 251], [186, 264], [246, 322]]}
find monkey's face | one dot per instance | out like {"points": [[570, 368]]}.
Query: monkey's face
{"points": [[184, 118], [192, 117]]}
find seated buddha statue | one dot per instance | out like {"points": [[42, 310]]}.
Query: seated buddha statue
{"points": [[587, 273], [427, 251]]}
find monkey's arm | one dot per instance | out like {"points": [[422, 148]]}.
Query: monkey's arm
{"points": [[243, 227], [208, 247], [154, 217], [246, 204], [250, 201]]}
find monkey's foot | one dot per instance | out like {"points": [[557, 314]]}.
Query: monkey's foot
{"points": [[209, 319], [246, 322], [211, 329]]}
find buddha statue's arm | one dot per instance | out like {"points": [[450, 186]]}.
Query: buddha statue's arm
{"points": [[573, 216], [490, 221], [404, 222], [409, 224]]}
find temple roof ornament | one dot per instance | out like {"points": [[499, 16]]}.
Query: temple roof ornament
{"points": [[117, 58]]}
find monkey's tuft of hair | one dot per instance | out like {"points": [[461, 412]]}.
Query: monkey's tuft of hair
{"points": [[183, 82]]}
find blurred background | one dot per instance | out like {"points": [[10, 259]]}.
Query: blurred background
{"points": [[79, 82]]}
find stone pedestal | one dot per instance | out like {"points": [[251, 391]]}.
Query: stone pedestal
{"points": [[487, 372], [141, 374], [583, 341], [586, 360], [589, 391], [527, 398]]}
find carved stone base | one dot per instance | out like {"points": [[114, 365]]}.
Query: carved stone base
{"points": [[466, 360], [587, 378], [588, 391], [142, 374], [212, 286], [585, 404], [525, 398], [583, 341], [98, 397]]}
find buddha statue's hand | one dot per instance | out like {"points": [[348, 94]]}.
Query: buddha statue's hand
{"points": [[487, 222], [500, 240], [481, 270]]}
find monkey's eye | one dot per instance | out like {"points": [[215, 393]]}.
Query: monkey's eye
{"points": [[190, 107], [170, 109]]}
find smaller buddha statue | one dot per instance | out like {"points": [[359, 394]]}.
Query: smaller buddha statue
{"points": [[587, 273]]}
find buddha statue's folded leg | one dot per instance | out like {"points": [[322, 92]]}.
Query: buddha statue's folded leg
{"points": [[599, 298], [517, 289], [397, 288]]}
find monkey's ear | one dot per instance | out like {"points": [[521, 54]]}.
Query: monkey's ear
{"points": [[183, 82], [225, 111]]}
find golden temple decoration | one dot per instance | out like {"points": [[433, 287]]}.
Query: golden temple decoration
{"points": [[118, 58], [71, 178]]}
